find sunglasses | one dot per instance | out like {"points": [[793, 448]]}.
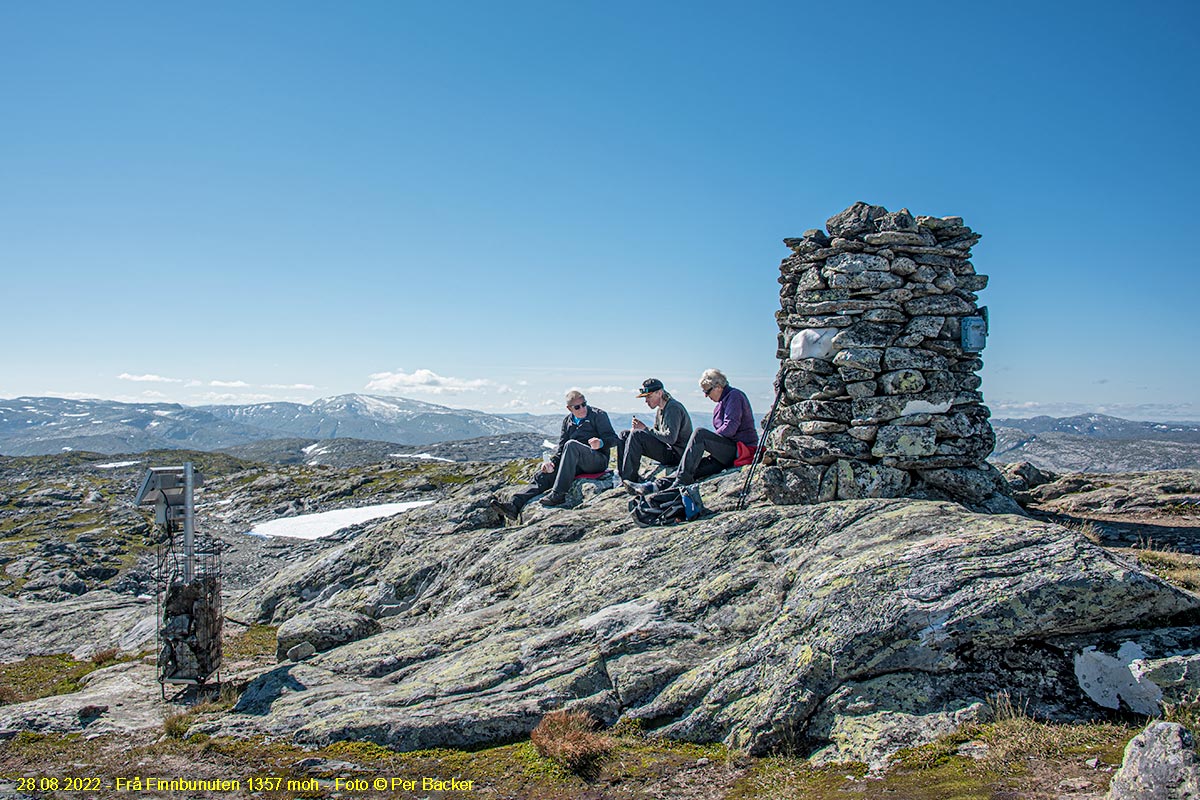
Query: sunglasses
{"points": [[709, 390], [576, 407]]}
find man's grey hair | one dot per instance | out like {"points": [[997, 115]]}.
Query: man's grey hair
{"points": [[711, 378], [572, 394]]}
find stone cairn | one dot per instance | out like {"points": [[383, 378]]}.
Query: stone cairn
{"points": [[879, 397]]}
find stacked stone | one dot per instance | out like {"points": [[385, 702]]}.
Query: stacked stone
{"points": [[191, 632], [879, 399]]}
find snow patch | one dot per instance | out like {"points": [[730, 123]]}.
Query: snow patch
{"points": [[326, 523], [425, 456], [116, 464], [924, 407], [84, 414], [813, 343]]}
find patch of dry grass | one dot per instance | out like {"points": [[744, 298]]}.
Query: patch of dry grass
{"points": [[570, 738], [1179, 569]]}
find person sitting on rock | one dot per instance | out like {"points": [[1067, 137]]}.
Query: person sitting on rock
{"points": [[664, 442], [583, 448], [709, 452]]}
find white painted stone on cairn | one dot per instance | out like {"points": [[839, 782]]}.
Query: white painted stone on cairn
{"points": [[879, 398]]}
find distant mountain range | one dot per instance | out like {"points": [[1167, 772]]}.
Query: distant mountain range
{"points": [[358, 428], [44, 425], [1097, 443]]}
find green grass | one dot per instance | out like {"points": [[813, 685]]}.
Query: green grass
{"points": [[256, 641], [44, 676]]}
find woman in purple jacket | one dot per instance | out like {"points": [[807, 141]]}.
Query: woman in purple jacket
{"points": [[709, 452]]}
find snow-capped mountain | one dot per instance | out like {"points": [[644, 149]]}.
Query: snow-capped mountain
{"points": [[43, 425], [360, 416], [1097, 443], [1100, 426]]}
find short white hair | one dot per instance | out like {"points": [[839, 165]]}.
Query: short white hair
{"points": [[711, 378], [575, 393]]}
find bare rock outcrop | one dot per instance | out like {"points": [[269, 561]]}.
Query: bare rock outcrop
{"points": [[814, 627]]}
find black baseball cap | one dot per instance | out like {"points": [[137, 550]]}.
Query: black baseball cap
{"points": [[650, 385]]}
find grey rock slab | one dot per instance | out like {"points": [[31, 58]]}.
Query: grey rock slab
{"points": [[861, 359], [867, 334], [736, 628], [868, 720], [857, 480], [895, 358], [120, 699], [83, 625], [899, 238], [855, 263], [904, 442], [804, 385], [866, 280], [939, 305], [796, 485], [968, 484]]}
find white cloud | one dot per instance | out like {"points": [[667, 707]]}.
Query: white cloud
{"points": [[125, 376], [606, 390], [289, 386], [229, 384], [425, 381], [53, 393], [154, 395], [229, 397]]}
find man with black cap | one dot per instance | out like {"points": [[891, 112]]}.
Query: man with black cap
{"points": [[664, 442]]}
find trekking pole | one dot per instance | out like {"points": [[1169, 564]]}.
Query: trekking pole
{"points": [[744, 497]]}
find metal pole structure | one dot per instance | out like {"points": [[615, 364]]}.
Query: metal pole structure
{"points": [[189, 546]]}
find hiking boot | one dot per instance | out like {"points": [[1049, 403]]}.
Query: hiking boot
{"points": [[554, 499], [505, 509], [639, 488]]}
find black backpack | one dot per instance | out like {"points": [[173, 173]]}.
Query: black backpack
{"points": [[668, 507]]}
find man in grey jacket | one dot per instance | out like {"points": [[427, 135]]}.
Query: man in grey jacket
{"points": [[664, 442]]}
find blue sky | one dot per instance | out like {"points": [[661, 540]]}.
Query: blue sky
{"points": [[481, 204]]}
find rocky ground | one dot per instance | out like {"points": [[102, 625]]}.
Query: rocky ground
{"points": [[730, 629]]}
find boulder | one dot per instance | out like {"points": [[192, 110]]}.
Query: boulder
{"points": [[1160, 763], [323, 629]]}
